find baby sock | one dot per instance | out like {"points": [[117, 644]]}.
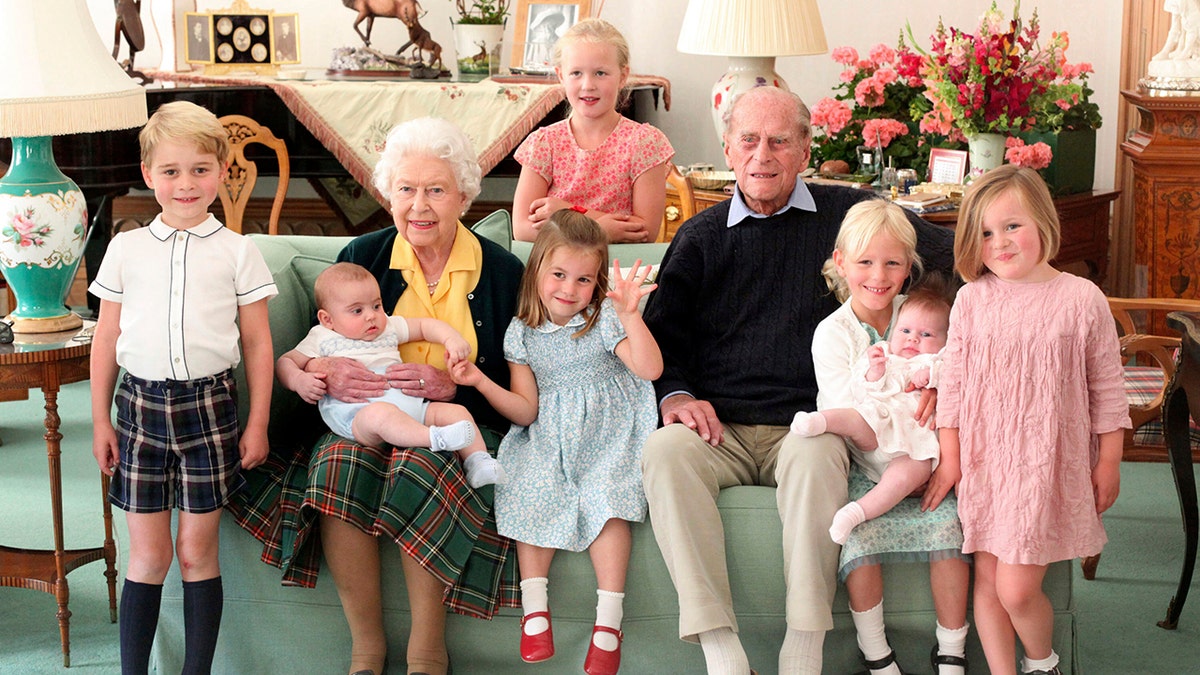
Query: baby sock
{"points": [[952, 643], [801, 652], [139, 619], [202, 602], [723, 652], [451, 437], [609, 612], [872, 638], [1048, 665], [808, 424], [535, 597], [483, 469], [847, 518]]}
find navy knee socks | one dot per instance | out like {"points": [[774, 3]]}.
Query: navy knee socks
{"points": [[202, 602], [139, 619]]}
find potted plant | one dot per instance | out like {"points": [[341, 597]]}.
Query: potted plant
{"points": [[478, 34]]}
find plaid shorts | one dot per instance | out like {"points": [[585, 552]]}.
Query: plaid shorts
{"points": [[178, 444]]}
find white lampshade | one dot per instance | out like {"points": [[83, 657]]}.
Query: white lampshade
{"points": [[752, 28], [56, 77], [752, 33]]}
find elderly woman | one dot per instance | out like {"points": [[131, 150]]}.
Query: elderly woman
{"points": [[429, 265]]}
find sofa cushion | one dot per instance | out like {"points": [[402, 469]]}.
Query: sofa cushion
{"points": [[496, 226]]}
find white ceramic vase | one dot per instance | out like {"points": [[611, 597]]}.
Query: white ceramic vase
{"points": [[986, 152], [477, 50]]}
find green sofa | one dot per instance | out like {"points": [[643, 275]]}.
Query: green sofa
{"points": [[269, 628]]}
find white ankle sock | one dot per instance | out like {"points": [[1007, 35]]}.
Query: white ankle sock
{"points": [[1029, 665], [847, 518], [872, 638], [451, 437], [610, 609], [808, 424], [535, 597], [723, 652], [801, 652], [483, 469], [952, 643]]}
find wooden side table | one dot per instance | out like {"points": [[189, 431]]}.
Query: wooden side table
{"points": [[1183, 400], [47, 361]]}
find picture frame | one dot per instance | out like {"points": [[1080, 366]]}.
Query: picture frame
{"points": [[285, 38], [947, 166], [539, 24], [197, 36]]}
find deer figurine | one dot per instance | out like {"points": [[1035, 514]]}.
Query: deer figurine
{"points": [[408, 11]]}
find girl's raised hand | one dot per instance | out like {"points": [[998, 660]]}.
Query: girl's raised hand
{"points": [[466, 373], [629, 290]]}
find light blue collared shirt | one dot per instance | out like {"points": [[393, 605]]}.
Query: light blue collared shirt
{"points": [[800, 198]]}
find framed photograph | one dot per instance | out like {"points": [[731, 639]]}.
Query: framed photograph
{"points": [[947, 166], [198, 38], [286, 38], [539, 25]]}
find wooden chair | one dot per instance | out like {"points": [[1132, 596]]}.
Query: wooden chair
{"points": [[1149, 362], [687, 202], [239, 182]]}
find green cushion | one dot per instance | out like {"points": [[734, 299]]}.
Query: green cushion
{"points": [[496, 226]]}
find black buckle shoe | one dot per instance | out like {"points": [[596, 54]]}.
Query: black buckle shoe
{"points": [[936, 659]]}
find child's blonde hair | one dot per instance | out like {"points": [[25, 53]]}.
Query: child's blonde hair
{"points": [[335, 275], [573, 230], [187, 122], [596, 31], [862, 223], [1033, 194]]}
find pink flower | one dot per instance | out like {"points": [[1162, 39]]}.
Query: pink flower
{"points": [[882, 55], [1036, 156], [23, 225], [880, 132], [885, 76], [831, 115], [845, 55], [869, 92]]}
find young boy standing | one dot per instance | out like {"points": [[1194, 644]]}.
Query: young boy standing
{"points": [[175, 297]]}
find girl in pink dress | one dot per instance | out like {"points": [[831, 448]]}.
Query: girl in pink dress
{"points": [[596, 161], [1031, 412]]}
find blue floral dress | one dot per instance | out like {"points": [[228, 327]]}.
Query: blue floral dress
{"points": [[579, 463]]}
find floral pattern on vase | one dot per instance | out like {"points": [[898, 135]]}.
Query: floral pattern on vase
{"points": [[986, 152]]}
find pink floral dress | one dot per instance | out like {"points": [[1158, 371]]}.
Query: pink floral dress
{"points": [[600, 179]]}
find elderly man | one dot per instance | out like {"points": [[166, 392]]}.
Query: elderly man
{"points": [[740, 293]]}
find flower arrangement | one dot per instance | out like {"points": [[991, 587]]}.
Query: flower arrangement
{"points": [[1066, 104], [991, 81], [1036, 156], [878, 100], [489, 12]]}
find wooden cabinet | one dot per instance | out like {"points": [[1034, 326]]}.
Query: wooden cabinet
{"points": [[1084, 218], [1165, 155]]}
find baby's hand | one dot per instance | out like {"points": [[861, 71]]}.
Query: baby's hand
{"points": [[310, 386], [920, 378], [457, 349], [628, 291], [466, 373], [876, 361]]}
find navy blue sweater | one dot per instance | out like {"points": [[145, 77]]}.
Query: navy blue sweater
{"points": [[736, 308]]}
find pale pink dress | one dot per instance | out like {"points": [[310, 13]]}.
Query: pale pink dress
{"points": [[1031, 374], [600, 179]]}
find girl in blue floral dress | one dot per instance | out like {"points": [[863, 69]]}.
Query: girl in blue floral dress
{"points": [[582, 405]]}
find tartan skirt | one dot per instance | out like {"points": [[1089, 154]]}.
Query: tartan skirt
{"points": [[417, 498]]}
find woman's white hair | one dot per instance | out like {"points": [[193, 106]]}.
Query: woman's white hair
{"points": [[430, 136]]}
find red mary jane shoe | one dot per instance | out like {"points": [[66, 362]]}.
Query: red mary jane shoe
{"points": [[601, 661], [535, 648]]}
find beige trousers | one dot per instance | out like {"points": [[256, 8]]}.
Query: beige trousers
{"points": [[683, 475]]}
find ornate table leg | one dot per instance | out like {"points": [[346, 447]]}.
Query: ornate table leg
{"points": [[54, 456]]}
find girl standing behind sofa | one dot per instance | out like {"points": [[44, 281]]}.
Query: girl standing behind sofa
{"points": [[583, 404], [596, 161], [1032, 409]]}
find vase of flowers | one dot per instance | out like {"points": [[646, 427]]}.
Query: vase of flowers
{"points": [[1066, 120], [478, 37], [986, 151], [877, 104], [989, 80]]}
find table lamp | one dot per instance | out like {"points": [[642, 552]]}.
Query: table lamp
{"points": [[56, 78], [751, 33]]}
